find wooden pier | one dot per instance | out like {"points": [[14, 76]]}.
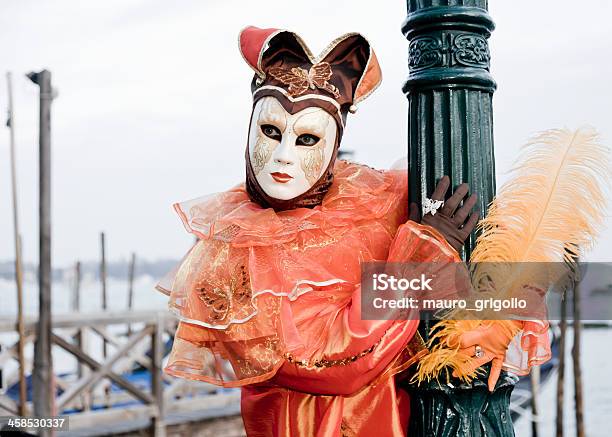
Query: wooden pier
{"points": [[101, 394]]}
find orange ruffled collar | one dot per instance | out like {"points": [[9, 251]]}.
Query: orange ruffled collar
{"points": [[359, 193]]}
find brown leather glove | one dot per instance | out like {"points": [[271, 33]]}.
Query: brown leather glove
{"points": [[449, 220]]}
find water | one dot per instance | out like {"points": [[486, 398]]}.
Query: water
{"points": [[596, 358], [145, 295]]}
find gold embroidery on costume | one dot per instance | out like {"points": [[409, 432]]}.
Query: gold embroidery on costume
{"points": [[217, 300], [260, 356], [297, 224], [308, 242], [228, 233], [324, 362], [222, 297], [240, 285], [300, 80]]}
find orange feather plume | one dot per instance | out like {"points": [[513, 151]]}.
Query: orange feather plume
{"points": [[550, 211]]}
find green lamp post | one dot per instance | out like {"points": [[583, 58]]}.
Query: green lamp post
{"points": [[449, 90], [450, 132]]}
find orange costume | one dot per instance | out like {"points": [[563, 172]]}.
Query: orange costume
{"points": [[277, 296], [269, 298]]}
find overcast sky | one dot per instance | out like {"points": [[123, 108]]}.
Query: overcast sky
{"points": [[154, 102]]}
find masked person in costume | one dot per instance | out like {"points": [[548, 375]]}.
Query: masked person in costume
{"points": [[269, 296]]}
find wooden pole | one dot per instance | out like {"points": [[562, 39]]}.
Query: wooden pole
{"points": [[576, 362], [534, 375], [131, 272], [131, 289], [42, 374], [79, 336], [157, 383], [104, 304], [561, 369], [76, 307], [18, 260], [103, 269], [103, 281], [76, 292]]}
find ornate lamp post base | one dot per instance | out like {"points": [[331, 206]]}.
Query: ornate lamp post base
{"points": [[470, 410]]}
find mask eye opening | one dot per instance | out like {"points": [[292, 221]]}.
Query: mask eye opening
{"points": [[271, 131], [307, 140]]}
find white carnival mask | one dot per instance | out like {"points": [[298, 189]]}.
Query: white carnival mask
{"points": [[289, 152]]}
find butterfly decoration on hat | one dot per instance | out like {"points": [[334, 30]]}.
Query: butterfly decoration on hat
{"points": [[343, 74], [300, 80]]}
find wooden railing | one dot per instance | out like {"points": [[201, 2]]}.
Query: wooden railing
{"points": [[99, 392]]}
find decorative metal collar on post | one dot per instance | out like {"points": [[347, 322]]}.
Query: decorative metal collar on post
{"points": [[450, 132]]}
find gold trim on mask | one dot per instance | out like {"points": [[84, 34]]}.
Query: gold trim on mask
{"points": [[261, 155], [313, 162]]}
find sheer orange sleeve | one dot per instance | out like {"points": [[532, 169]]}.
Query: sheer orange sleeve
{"points": [[362, 351]]}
